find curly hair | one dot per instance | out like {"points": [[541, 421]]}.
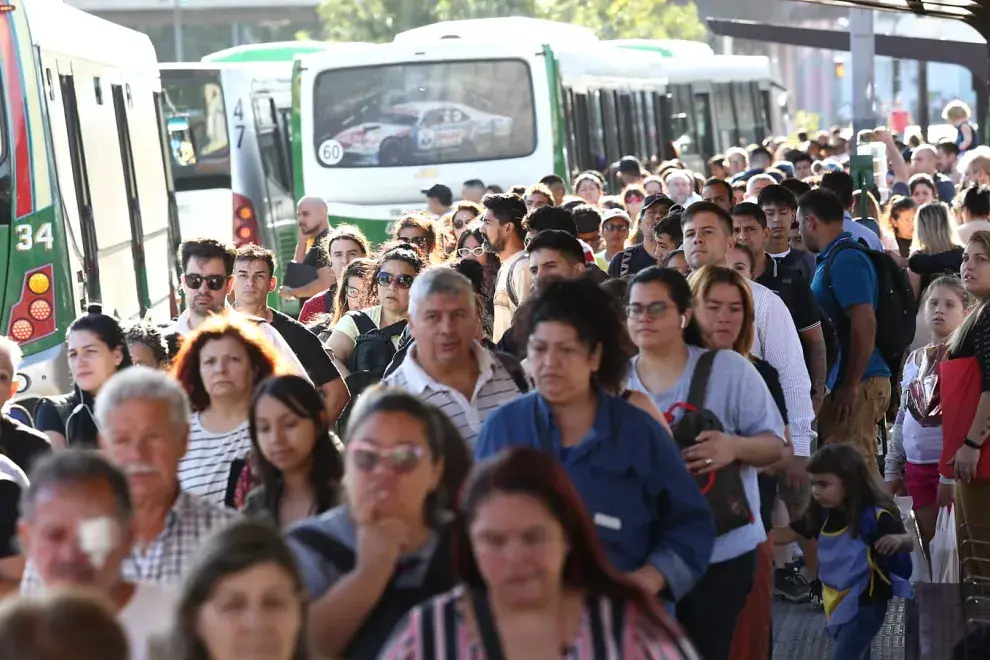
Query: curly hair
{"points": [[186, 368]]}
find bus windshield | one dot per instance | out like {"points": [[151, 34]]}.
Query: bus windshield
{"points": [[424, 113], [197, 129]]}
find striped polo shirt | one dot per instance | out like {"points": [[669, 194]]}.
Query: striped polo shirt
{"points": [[205, 469], [495, 386]]}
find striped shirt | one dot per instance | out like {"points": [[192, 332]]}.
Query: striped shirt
{"points": [[166, 559], [603, 634], [495, 386], [776, 340], [205, 469]]}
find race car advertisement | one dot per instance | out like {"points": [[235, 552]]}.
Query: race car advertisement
{"points": [[423, 114]]}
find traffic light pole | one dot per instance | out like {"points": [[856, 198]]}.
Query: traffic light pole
{"points": [[863, 52], [177, 29]]}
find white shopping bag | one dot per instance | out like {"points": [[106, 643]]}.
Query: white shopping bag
{"points": [[919, 563], [943, 548]]}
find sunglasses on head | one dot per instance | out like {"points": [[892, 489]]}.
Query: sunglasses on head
{"points": [[401, 281], [421, 241], [213, 282], [475, 251], [401, 459]]}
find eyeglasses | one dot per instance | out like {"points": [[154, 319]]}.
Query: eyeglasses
{"points": [[634, 199], [401, 281], [352, 291], [654, 309], [401, 459], [615, 226], [213, 282], [468, 252], [421, 241]]}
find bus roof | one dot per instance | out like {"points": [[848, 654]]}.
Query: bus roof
{"points": [[666, 47], [279, 51], [61, 28], [517, 28], [719, 68]]}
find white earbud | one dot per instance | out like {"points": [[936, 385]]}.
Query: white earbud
{"points": [[683, 321]]}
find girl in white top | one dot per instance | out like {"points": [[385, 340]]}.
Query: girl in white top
{"points": [[911, 466]]}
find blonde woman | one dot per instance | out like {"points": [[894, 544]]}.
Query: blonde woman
{"points": [[935, 250]]}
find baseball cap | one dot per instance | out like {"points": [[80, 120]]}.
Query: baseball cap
{"points": [[441, 193], [616, 213], [658, 198]]}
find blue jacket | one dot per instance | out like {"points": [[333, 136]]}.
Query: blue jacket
{"points": [[645, 505]]}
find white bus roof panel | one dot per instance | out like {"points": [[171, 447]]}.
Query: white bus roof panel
{"points": [[718, 68], [515, 28], [60, 28]]}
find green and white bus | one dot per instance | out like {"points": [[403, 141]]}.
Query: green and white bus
{"points": [[384, 124], [86, 208], [229, 124]]}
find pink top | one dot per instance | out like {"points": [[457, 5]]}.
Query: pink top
{"points": [[625, 635]]}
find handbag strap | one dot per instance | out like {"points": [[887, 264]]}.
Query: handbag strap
{"points": [[490, 640], [699, 380]]}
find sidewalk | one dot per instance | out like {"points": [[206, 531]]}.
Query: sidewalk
{"points": [[799, 633]]}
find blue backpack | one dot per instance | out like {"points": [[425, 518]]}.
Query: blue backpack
{"points": [[897, 564]]}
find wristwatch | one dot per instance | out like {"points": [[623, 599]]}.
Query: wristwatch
{"points": [[973, 444]]}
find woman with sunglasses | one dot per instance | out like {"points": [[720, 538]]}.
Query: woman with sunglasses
{"points": [[417, 229], [534, 579], [97, 349], [471, 245], [397, 268], [355, 294], [366, 563], [633, 197], [463, 214], [296, 453]]}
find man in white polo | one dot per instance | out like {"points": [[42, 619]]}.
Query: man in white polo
{"points": [[447, 366]]}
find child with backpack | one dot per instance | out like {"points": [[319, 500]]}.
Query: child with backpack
{"points": [[864, 552]]}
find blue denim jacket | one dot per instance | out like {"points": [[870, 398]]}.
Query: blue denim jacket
{"points": [[645, 505]]}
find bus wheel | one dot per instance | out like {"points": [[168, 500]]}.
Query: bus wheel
{"points": [[391, 153]]}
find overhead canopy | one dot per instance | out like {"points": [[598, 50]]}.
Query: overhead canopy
{"points": [[975, 12]]}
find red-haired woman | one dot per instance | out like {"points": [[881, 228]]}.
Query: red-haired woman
{"points": [[219, 366], [528, 547]]}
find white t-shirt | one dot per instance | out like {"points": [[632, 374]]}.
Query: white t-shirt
{"points": [[205, 469], [147, 617], [522, 280]]}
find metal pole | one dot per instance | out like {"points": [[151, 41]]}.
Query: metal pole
{"points": [[177, 29], [863, 51]]}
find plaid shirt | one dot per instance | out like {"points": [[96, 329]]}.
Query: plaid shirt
{"points": [[166, 559]]}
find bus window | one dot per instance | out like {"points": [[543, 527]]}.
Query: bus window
{"points": [[133, 202], [424, 113], [196, 119], [273, 159], [610, 124], [725, 119], [703, 122], [80, 179], [682, 121], [747, 122], [583, 133], [597, 124]]}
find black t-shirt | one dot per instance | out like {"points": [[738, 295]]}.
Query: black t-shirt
{"points": [[22, 444], [63, 415], [10, 496], [307, 348], [637, 259], [932, 266], [793, 289], [887, 523], [318, 255]]}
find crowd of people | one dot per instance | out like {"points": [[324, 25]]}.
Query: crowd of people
{"points": [[531, 424]]}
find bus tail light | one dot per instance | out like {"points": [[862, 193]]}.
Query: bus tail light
{"points": [[245, 221], [33, 316]]}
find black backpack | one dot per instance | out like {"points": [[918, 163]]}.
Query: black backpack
{"points": [[373, 348], [896, 310], [723, 489]]}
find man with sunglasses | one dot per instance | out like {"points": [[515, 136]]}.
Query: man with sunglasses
{"points": [[640, 256], [207, 280]]}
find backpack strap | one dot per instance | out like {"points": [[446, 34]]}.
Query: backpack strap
{"points": [[486, 626], [513, 296], [626, 262], [699, 380], [331, 550], [363, 322], [513, 366]]}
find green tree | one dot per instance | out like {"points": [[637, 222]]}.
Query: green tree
{"points": [[380, 20]]}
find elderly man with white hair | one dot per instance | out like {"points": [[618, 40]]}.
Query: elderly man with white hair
{"points": [[447, 366], [680, 188], [143, 416], [756, 185]]}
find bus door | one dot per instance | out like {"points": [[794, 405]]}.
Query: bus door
{"points": [[6, 185], [199, 145], [280, 223]]}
